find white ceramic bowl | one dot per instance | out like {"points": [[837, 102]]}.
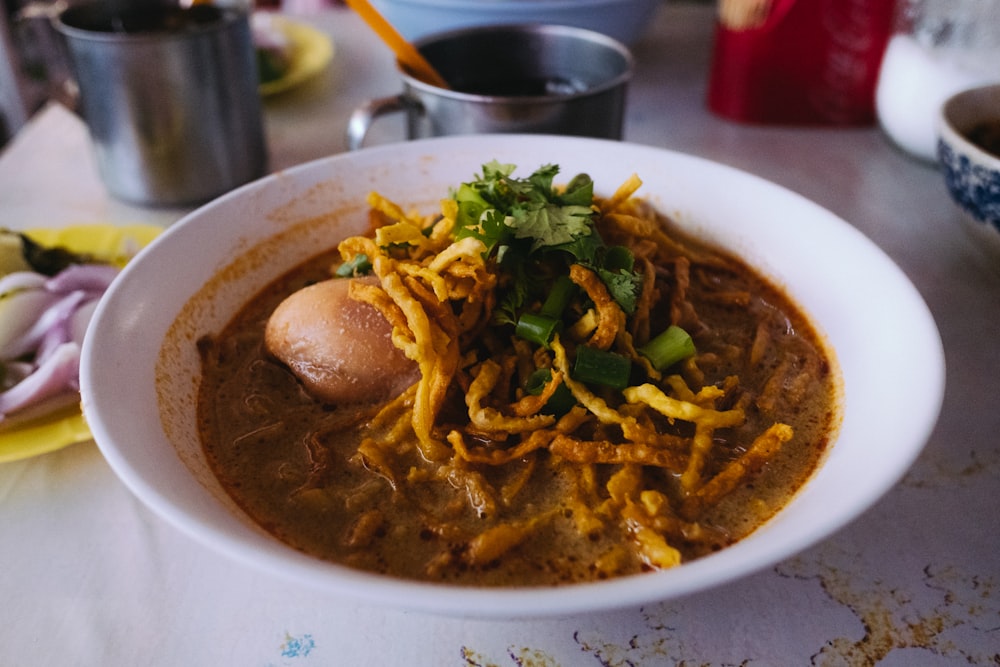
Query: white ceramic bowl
{"points": [[140, 368], [624, 20], [971, 173]]}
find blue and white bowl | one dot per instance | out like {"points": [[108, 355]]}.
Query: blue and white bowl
{"points": [[971, 171]]}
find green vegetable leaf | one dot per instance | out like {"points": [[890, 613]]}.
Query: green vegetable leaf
{"points": [[584, 249], [526, 224], [495, 171], [496, 208], [551, 225], [484, 223], [358, 266], [624, 287], [542, 179], [579, 191], [510, 305]]}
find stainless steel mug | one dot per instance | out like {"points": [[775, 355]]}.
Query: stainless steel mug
{"points": [[511, 78], [169, 95]]}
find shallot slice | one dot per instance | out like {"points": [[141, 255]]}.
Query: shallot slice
{"points": [[60, 372], [81, 319], [42, 324], [21, 280], [87, 277], [19, 312], [56, 315]]}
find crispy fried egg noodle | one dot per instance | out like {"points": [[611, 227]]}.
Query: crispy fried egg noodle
{"points": [[439, 293], [283, 488]]}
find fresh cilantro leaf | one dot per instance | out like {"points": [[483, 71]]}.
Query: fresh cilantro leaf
{"points": [[618, 257], [506, 311], [496, 188], [495, 171], [579, 191], [623, 286], [488, 225], [584, 249], [513, 299], [526, 224], [552, 225], [542, 179], [470, 208]]}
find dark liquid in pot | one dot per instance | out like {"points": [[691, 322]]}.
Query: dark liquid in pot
{"points": [[522, 87]]}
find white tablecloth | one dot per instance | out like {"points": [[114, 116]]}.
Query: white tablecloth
{"points": [[89, 576]]}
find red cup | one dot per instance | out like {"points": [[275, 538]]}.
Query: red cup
{"points": [[804, 62]]}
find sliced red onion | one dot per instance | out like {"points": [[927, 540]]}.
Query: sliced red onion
{"points": [[86, 277], [61, 371], [56, 315], [19, 312], [21, 280], [45, 319], [81, 320], [52, 338]]}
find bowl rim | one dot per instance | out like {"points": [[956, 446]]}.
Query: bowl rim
{"points": [[102, 359]]}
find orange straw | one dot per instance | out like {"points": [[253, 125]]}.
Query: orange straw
{"points": [[406, 52]]}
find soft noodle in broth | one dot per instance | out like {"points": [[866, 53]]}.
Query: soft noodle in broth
{"points": [[522, 456]]}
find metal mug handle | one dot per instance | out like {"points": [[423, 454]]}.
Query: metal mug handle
{"points": [[364, 116]]}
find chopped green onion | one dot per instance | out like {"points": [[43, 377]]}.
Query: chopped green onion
{"points": [[537, 381], [669, 347], [562, 399], [358, 266], [600, 367], [537, 329], [559, 297]]}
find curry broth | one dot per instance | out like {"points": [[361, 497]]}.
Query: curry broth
{"points": [[290, 462]]}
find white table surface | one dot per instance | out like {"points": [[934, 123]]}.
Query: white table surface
{"points": [[89, 576]]}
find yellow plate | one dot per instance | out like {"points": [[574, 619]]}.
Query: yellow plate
{"points": [[311, 52], [66, 426]]}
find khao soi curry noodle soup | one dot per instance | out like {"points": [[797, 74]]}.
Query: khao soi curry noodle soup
{"points": [[532, 386]]}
